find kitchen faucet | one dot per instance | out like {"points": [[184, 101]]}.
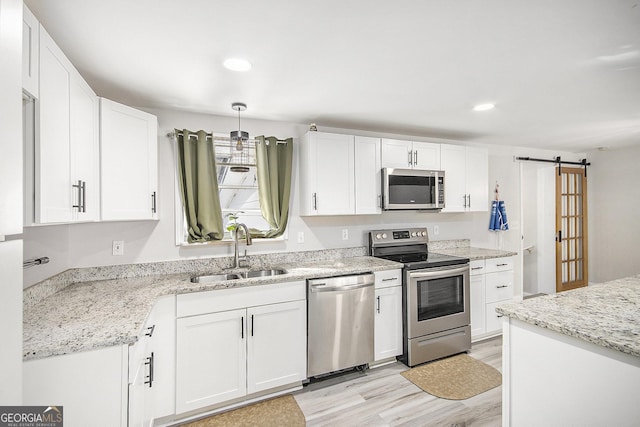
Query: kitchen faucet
{"points": [[247, 237]]}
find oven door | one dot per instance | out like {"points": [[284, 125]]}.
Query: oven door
{"points": [[437, 299]]}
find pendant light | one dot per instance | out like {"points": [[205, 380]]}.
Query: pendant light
{"points": [[238, 138]]}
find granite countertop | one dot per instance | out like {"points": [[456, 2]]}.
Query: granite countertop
{"points": [[606, 314], [473, 253], [94, 314]]}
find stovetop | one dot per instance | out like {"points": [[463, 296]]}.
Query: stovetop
{"points": [[410, 247]]}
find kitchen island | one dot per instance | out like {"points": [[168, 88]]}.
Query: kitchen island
{"points": [[573, 358]]}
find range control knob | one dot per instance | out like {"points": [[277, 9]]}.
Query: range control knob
{"points": [[378, 236], [413, 234], [384, 235], [424, 233]]}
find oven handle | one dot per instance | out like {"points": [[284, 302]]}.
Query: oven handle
{"points": [[437, 272]]}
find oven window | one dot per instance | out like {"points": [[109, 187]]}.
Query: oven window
{"points": [[404, 189], [440, 297]]}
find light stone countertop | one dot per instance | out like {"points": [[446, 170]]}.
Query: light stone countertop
{"points": [[606, 314], [473, 253], [101, 313]]}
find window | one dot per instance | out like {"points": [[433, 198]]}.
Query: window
{"points": [[238, 189]]}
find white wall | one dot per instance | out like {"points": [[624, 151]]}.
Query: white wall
{"points": [[614, 204], [84, 245]]}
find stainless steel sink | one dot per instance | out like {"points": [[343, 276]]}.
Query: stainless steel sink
{"points": [[238, 275], [264, 273], [215, 278]]}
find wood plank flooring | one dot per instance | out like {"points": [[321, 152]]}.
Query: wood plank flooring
{"points": [[382, 397]]}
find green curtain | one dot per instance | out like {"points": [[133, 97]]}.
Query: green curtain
{"points": [[199, 186], [274, 160]]}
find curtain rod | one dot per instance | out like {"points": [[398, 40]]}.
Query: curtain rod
{"points": [[222, 138], [558, 160]]}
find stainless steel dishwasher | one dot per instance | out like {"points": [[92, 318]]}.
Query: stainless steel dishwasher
{"points": [[340, 323]]}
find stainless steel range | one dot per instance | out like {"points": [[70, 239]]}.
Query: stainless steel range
{"points": [[435, 297]]}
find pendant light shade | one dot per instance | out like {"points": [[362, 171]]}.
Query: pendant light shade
{"points": [[238, 139]]}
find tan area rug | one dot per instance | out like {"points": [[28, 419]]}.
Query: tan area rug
{"points": [[281, 411], [455, 378]]}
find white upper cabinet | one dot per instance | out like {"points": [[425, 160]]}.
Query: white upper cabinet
{"points": [[30, 42], [66, 171], [339, 174], [368, 182], [128, 162], [466, 178], [403, 154], [327, 174], [10, 146]]}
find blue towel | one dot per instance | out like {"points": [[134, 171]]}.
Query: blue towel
{"points": [[498, 220]]}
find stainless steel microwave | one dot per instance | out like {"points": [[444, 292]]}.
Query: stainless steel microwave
{"points": [[404, 189]]}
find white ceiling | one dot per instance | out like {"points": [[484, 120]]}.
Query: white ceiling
{"points": [[562, 74]]}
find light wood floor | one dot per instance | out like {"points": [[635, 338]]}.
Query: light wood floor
{"points": [[382, 397]]}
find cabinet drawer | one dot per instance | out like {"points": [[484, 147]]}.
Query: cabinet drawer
{"points": [[477, 267], [498, 264], [233, 298], [388, 278], [493, 320], [499, 286]]}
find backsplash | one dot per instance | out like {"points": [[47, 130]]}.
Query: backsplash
{"points": [[36, 293]]}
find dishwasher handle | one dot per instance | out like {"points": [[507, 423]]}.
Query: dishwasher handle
{"points": [[330, 288], [343, 283]]}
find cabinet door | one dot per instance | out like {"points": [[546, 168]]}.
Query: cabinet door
{"points": [[453, 162], [91, 385], [129, 178], [277, 345], [368, 182], [11, 173], [30, 42], [330, 165], [476, 283], [426, 155], [210, 359], [396, 153], [493, 319], [388, 323], [84, 149], [477, 177], [53, 183]]}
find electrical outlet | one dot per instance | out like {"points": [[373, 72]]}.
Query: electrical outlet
{"points": [[300, 236], [345, 234], [436, 230], [118, 247]]}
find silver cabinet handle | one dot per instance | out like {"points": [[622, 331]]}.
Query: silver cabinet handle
{"points": [[82, 205], [469, 195], [379, 200], [502, 265], [415, 158], [150, 330], [410, 158], [242, 327], [389, 279], [502, 286], [477, 268], [464, 198], [378, 309], [314, 201], [149, 363], [153, 202]]}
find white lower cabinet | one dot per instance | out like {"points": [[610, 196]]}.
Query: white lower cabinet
{"points": [[253, 341], [491, 284], [152, 366], [91, 386], [388, 315]]}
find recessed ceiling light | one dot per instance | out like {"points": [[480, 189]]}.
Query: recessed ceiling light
{"points": [[237, 64], [483, 107]]}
